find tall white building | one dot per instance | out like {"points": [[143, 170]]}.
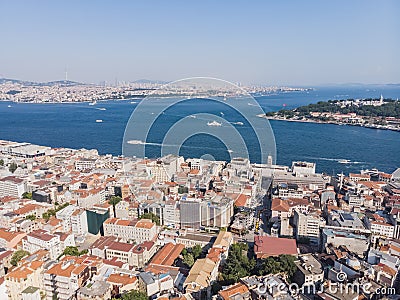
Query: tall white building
{"points": [[12, 186], [308, 226], [79, 225]]}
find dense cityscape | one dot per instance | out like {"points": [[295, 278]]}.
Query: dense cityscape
{"points": [[65, 91], [200, 150], [75, 224]]}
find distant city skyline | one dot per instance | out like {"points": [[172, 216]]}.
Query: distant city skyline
{"points": [[270, 43]]}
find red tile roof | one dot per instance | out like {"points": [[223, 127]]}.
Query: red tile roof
{"points": [[265, 246]]}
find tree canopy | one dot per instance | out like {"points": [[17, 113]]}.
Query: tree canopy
{"points": [[389, 108], [17, 256], [74, 251], [13, 166], [237, 265], [27, 195], [154, 218], [134, 295], [282, 264]]}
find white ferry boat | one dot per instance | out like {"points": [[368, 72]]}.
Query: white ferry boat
{"points": [[99, 121], [214, 123]]}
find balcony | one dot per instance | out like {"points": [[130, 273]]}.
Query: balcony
{"points": [[62, 285], [62, 279]]}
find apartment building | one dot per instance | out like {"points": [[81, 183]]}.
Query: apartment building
{"points": [[130, 230], [63, 279], [380, 225], [9, 240], [308, 226], [88, 198], [79, 223], [309, 270], [26, 275], [85, 164], [134, 255], [41, 239], [12, 186]]}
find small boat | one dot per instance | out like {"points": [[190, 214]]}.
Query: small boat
{"points": [[102, 108], [238, 123], [133, 102], [99, 121], [214, 123], [9, 106], [193, 116], [344, 161], [135, 142], [93, 103], [222, 114]]}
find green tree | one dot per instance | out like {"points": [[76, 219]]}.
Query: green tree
{"points": [[134, 295], [184, 251], [17, 256], [196, 251], [73, 251], [27, 195], [13, 166], [154, 218], [237, 265], [1, 162], [58, 208], [282, 264], [188, 260], [46, 216], [31, 217], [114, 200]]}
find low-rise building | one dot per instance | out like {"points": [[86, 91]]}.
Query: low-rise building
{"points": [[134, 230], [28, 274], [309, 270], [266, 246], [41, 239]]}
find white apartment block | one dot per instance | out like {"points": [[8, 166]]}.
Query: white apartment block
{"points": [[65, 215], [79, 224], [41, 239], [12, 186], [380, 226], [85, 164], [308, 226], [135, 230], [63, 279], [88, 198]]}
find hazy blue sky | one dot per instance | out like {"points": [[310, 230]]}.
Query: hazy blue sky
{"points": [[268, 42]]}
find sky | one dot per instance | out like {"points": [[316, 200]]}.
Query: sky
{"points": [[252, 42]]}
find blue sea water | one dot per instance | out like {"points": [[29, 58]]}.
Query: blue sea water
{"points": [[75, 126]]}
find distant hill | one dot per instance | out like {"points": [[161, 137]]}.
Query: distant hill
{"points": [[150, 81], [32, 83]]}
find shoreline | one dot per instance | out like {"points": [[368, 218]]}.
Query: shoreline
{"points": [[332, 123]]}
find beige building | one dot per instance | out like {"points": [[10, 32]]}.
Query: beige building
{"points": [[131, 230], [27, 274], [201, 276]]}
